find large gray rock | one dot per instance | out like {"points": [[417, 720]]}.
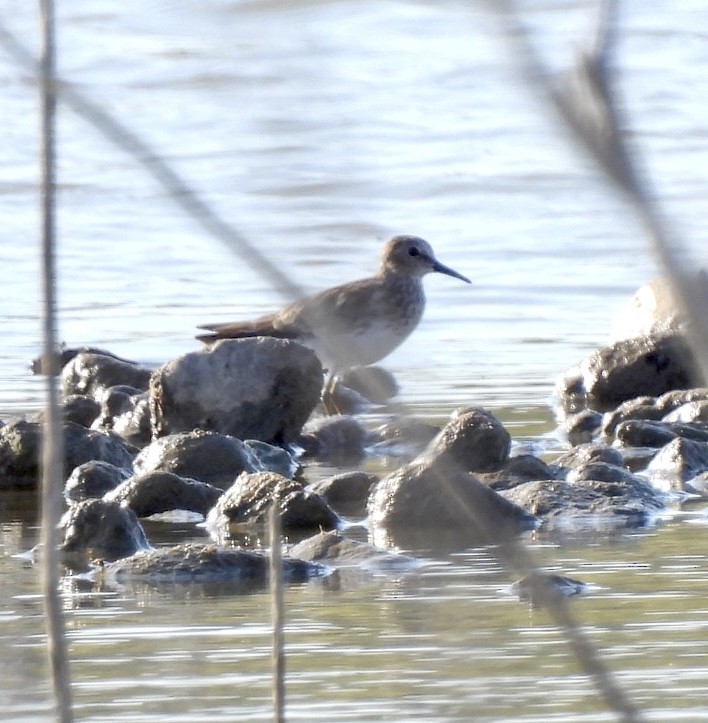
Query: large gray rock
{"points": [[216, 459], [259, 388], [92, 480]]}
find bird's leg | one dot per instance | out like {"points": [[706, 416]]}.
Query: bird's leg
{"points": [[328, 403]]}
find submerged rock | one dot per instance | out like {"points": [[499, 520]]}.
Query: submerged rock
{"points": [[347, 493], [340, 439], [541, 588], [374, 383], [259, 388], [193, 563]]}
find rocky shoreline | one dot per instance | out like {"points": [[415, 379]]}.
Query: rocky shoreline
{"points": [[224, 431]]}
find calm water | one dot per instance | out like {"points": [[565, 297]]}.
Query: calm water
{"points": [[318, 130]]}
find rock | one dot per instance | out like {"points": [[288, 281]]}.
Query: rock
{"points": [[134, 425], [216, 459], [20, 451], [474, 439], [259, 388], [91, 374], [92, 480], [403, 436], [637, 408], [676, 462], [602, 472], [689, 413], [80, 409], [38, 365], [339, 439], [524, 468], [157, 492], [102, 530], [248, 501], [347, 493], [648, 365], [588, 505], [673, 400], [335, 550], [584, 454], [194, 563], [643, 433], [375, 384], [583, 427], [433, 493], [541, 588]]}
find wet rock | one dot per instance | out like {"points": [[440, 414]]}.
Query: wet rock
{"points": [[632, 409], [347, 493], [644, 366], [335, 550], [524, 468], [585, 454], [96, 529], [20, 451], [570, 393], [134, 425], [39, 365], [157, 492], [91, 374], [675, 463], [248, 501], [80, 409], [92, 480], [689, 413], [339, 438], [602, 472], [474, 439], [194, 563], [403, 436], [375, 384], [583, 427], [216, 459], [541, 588], [670, 401], [436, 494], [588, 505], [260, 388], [656, 434]]}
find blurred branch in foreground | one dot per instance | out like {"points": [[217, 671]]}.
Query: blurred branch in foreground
{"points": [[585, 102]]}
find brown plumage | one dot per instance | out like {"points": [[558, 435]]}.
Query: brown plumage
{"points": [[357, 323]]}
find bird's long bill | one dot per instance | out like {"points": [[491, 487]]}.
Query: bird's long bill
{"points": [[442, 269]]}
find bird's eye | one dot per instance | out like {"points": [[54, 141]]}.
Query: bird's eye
{"points": [[413, 251]]}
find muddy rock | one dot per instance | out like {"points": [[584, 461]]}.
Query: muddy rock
{"points": [[80, 409], [216, 459], [96, 529], [524, 468], [588, 505], [644, 408], [434, 493], [677, 462], [474, 440], [346, 493], [340, 438], [20, 451], [92, 480], [91, 374], [602, 472], [376, 384], [134, 425], [157, 492], [643, 366], [583, 427], [403, 436], [259, 388], [194, 563], [585, 454], [248, 501]]}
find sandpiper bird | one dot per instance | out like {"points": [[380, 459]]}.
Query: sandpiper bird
{"points": [[357, 323]]}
